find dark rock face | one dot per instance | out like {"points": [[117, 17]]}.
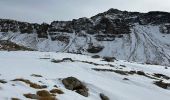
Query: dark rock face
{"points": [[63, 60], [25, 27], [82, 24], [161, 76], [42, 30], [115, 26], [118, 22], [154, 17], [109, 59], [10, 46], [165, 28], [140, 73], [74, 84], [61, 26], [94, 49], [88, 25], [105, 25], [96, 56], [8, 25], [2, 81], [162, 84], [61, 38], [105, 37]]}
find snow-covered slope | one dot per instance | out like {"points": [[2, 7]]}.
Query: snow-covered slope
{"points": [[131, 36], [119, 80]]}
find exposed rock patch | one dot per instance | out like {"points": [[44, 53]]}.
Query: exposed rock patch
{"points": [[76, 85], [63, 60], [95, 49], [104, 97], [141, 73], [61, 38], [36, 75], [96, 56], [161, 76], [162, 84], [10, 46], [3, 81], [121, 72], [125, 79], [109, 59]]}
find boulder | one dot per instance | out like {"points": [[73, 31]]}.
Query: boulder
{"points": [[96, 56], [82, 92], [162, 84], [103, 97], [76, 85], [109, 59], [141, 73], [95, 49]]}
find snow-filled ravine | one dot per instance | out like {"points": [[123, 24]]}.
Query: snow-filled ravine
{"points": [[118, 80]]}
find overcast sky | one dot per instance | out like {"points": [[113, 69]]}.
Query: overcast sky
{"points": [[49, 10]]}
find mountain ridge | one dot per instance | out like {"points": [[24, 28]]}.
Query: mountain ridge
{"points": [[132, 36]]}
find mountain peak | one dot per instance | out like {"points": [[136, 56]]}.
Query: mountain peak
{"points": [[112, 10]]}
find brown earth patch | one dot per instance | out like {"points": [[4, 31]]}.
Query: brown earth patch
{"points": [[15, 99], [41, 95], [31, 84], [58, 91]]}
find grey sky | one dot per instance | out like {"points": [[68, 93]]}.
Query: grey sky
{"points": [[49, 10]]}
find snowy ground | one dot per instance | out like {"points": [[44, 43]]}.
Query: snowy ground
{"points": [[22, 64]]}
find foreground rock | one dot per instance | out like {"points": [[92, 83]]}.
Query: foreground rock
{"points": [[162, 84], [76, 85], [103, 97]]}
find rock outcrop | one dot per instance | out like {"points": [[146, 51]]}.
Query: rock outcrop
{"points": [[76, 85]]}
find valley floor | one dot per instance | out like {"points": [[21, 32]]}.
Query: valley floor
{"points": [[118, 80]]}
